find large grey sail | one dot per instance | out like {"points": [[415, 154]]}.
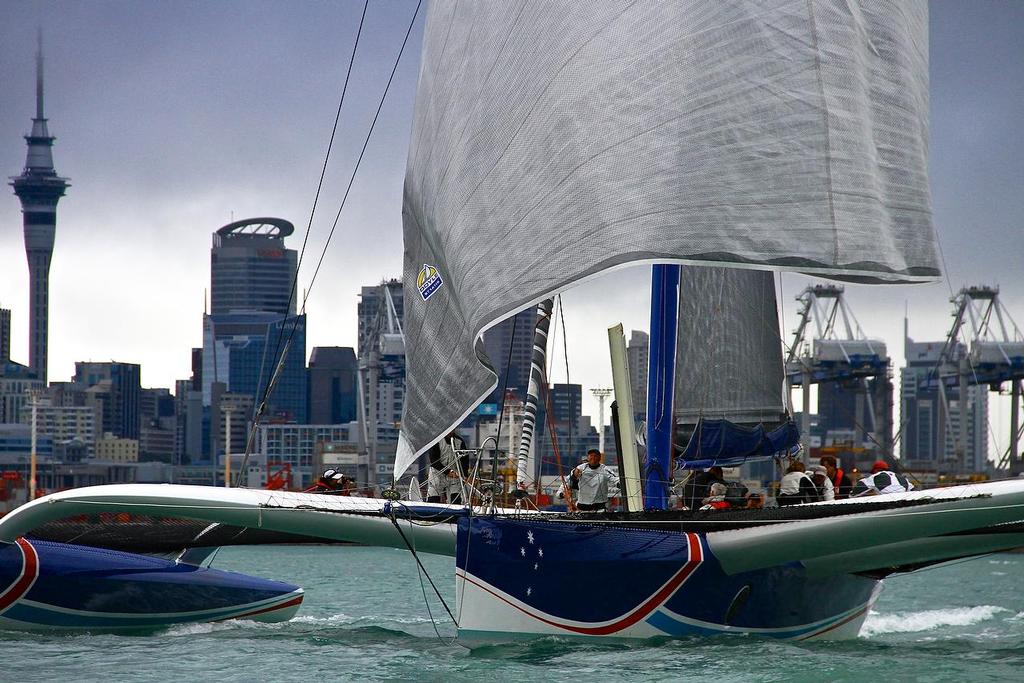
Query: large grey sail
{"points": [[554, 140], [729, 352]]}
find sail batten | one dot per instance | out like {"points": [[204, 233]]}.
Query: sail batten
{"points": [[555, 140]]}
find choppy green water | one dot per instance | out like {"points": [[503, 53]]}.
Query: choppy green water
{"points": [[364, 618]]}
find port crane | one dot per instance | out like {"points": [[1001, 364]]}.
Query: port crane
{"points": [[993, 355], [841, 353]]}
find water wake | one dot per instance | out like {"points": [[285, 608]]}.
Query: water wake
{"points": [[912, 622]]}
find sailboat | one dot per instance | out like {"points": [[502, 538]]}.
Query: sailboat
{"points": [[553, 142]]}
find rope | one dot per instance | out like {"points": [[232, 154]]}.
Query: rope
{"points": [[258, 411], [422, 571], [337, 218]]}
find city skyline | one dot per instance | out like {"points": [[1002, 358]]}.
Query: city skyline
{"points": [[155, 177]]}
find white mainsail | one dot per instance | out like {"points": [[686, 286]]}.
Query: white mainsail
{"points": [[556, 140]]}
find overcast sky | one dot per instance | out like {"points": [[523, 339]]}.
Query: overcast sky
{"points": [[174, 118]]}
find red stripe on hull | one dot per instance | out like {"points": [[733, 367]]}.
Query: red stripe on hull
{"points": [[294, 602], [28, 576], [652, 603]]}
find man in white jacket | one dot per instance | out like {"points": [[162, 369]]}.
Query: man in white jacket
{"points": [[596, 482]]}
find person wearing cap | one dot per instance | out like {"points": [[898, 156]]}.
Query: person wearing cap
{"points": [[881, 480], [325, 484], [819, 474], [595, 483]]}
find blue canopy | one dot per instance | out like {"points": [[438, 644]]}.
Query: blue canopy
{"points": [[725, 444]]}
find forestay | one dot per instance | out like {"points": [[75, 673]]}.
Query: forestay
{"points": [[555, 140]]}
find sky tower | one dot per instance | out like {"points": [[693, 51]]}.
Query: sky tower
{"points": [[39, 188]]}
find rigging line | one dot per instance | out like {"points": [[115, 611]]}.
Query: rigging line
{"points": [[565, 349], [344, 199], [258, 411], [366, 142], [423, 591], [504, 394], [949, 286], [419, 563]]}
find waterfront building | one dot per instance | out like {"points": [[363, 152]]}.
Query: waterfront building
{"points": [[116, 389], [297, 445], [333, 385], [250, 268], [931, 421], [63, 424], [111, 448], [39, 188]]}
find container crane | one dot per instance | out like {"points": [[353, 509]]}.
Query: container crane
{"points": [[841, 353], [993, 356]]}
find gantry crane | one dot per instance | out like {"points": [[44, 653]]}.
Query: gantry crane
{"points": [[842, 353], [993, 356]]}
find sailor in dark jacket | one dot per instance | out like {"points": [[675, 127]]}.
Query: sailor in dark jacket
{"points": [[699, 486]]}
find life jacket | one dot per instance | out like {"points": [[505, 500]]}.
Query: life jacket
{"points": [[836, 480]]}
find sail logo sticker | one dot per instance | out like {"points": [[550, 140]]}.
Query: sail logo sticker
{"points": [[428, 281]]}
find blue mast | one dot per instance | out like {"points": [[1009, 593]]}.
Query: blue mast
{"points": [[661, 384]]}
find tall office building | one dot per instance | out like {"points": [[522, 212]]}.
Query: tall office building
{"points": [[379, 325], [567, 404], [250, 268], [116, 390], [5, 335], [515, 334], [39, 188], [638, 352], [240, 351], [931, 421], [333, 377], [861, 408], [252, 317]]}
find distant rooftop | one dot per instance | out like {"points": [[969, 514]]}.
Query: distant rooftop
{"points": [[277, 228]]}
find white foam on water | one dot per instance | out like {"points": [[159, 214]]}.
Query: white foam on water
{"points": [[203, 628], [336, 619], [911, 622], [998, 573]]}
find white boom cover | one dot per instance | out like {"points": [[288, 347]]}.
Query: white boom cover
{"points": [[553, 140]]}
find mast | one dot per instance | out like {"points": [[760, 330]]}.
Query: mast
{"points": [[537, 362], [661, 384]]}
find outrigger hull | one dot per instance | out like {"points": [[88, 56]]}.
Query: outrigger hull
{"points": [[65, 587], [532, 578]]}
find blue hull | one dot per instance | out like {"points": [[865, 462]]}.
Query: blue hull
{"points": [[526, 578], [58, 586]]}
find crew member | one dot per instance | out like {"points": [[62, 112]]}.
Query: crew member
{"points": [[824, 485], [841, 483], [698, 487], [447, 465], [796, 487], [881, 480], [716, 501], [597, 483], [326, 483]]}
